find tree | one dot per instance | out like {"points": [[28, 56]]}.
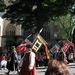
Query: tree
{"points": [[34, 13], [65, 25], [2, 5]]}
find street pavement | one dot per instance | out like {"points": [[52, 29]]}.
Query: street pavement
{"points": [[72, 68], [41, 70]]}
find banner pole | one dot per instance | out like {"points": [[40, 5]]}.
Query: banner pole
{"points": [[28, 36], [38, 34]]}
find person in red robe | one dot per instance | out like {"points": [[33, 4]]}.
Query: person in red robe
{"points": [[28, 66]]}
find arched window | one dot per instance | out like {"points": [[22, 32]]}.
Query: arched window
{"points": [[10, 30]]}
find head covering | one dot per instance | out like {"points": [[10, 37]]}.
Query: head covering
{"points": [[28, 46], [13, 48]]}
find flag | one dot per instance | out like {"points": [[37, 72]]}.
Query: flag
{"points": [[74, 51], [67, 45], [37, 43], [47, 51], [22, 47], [55, 48]]}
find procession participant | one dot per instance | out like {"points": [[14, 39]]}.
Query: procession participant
{"points": [[61, 56], [12, 59], [28, 66]]}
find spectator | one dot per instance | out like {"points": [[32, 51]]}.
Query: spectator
{"points": [[38, 57], [57, 67], [19, 59], [3, 61], [60, 56]]}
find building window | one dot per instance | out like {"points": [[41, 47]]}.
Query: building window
{"points": [[10, 30]]}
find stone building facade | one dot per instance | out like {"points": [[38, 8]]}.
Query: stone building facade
{"points": [[8, 30]]}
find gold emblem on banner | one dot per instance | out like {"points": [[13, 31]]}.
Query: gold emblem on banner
{"points": [[37, 45]]}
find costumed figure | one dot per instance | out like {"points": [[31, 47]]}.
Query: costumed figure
{"points": [[28, 66]]}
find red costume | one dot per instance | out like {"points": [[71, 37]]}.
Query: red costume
{"points": [[28, 66]]}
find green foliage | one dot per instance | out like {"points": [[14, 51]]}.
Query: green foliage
{"points": [[53, 0], [65, 25], [22, 12], [2, 6]]}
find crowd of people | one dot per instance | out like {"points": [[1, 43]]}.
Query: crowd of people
{"points": [[22, 63], [26, 63]]}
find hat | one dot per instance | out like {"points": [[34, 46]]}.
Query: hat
{"points": [[13, 47], [28, 46]]}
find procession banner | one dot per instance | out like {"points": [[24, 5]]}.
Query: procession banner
{"points": [[38, 42], [36, 45], [55, 48], [22, 47], [47, 51], [67, 45], [74, 51]]}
